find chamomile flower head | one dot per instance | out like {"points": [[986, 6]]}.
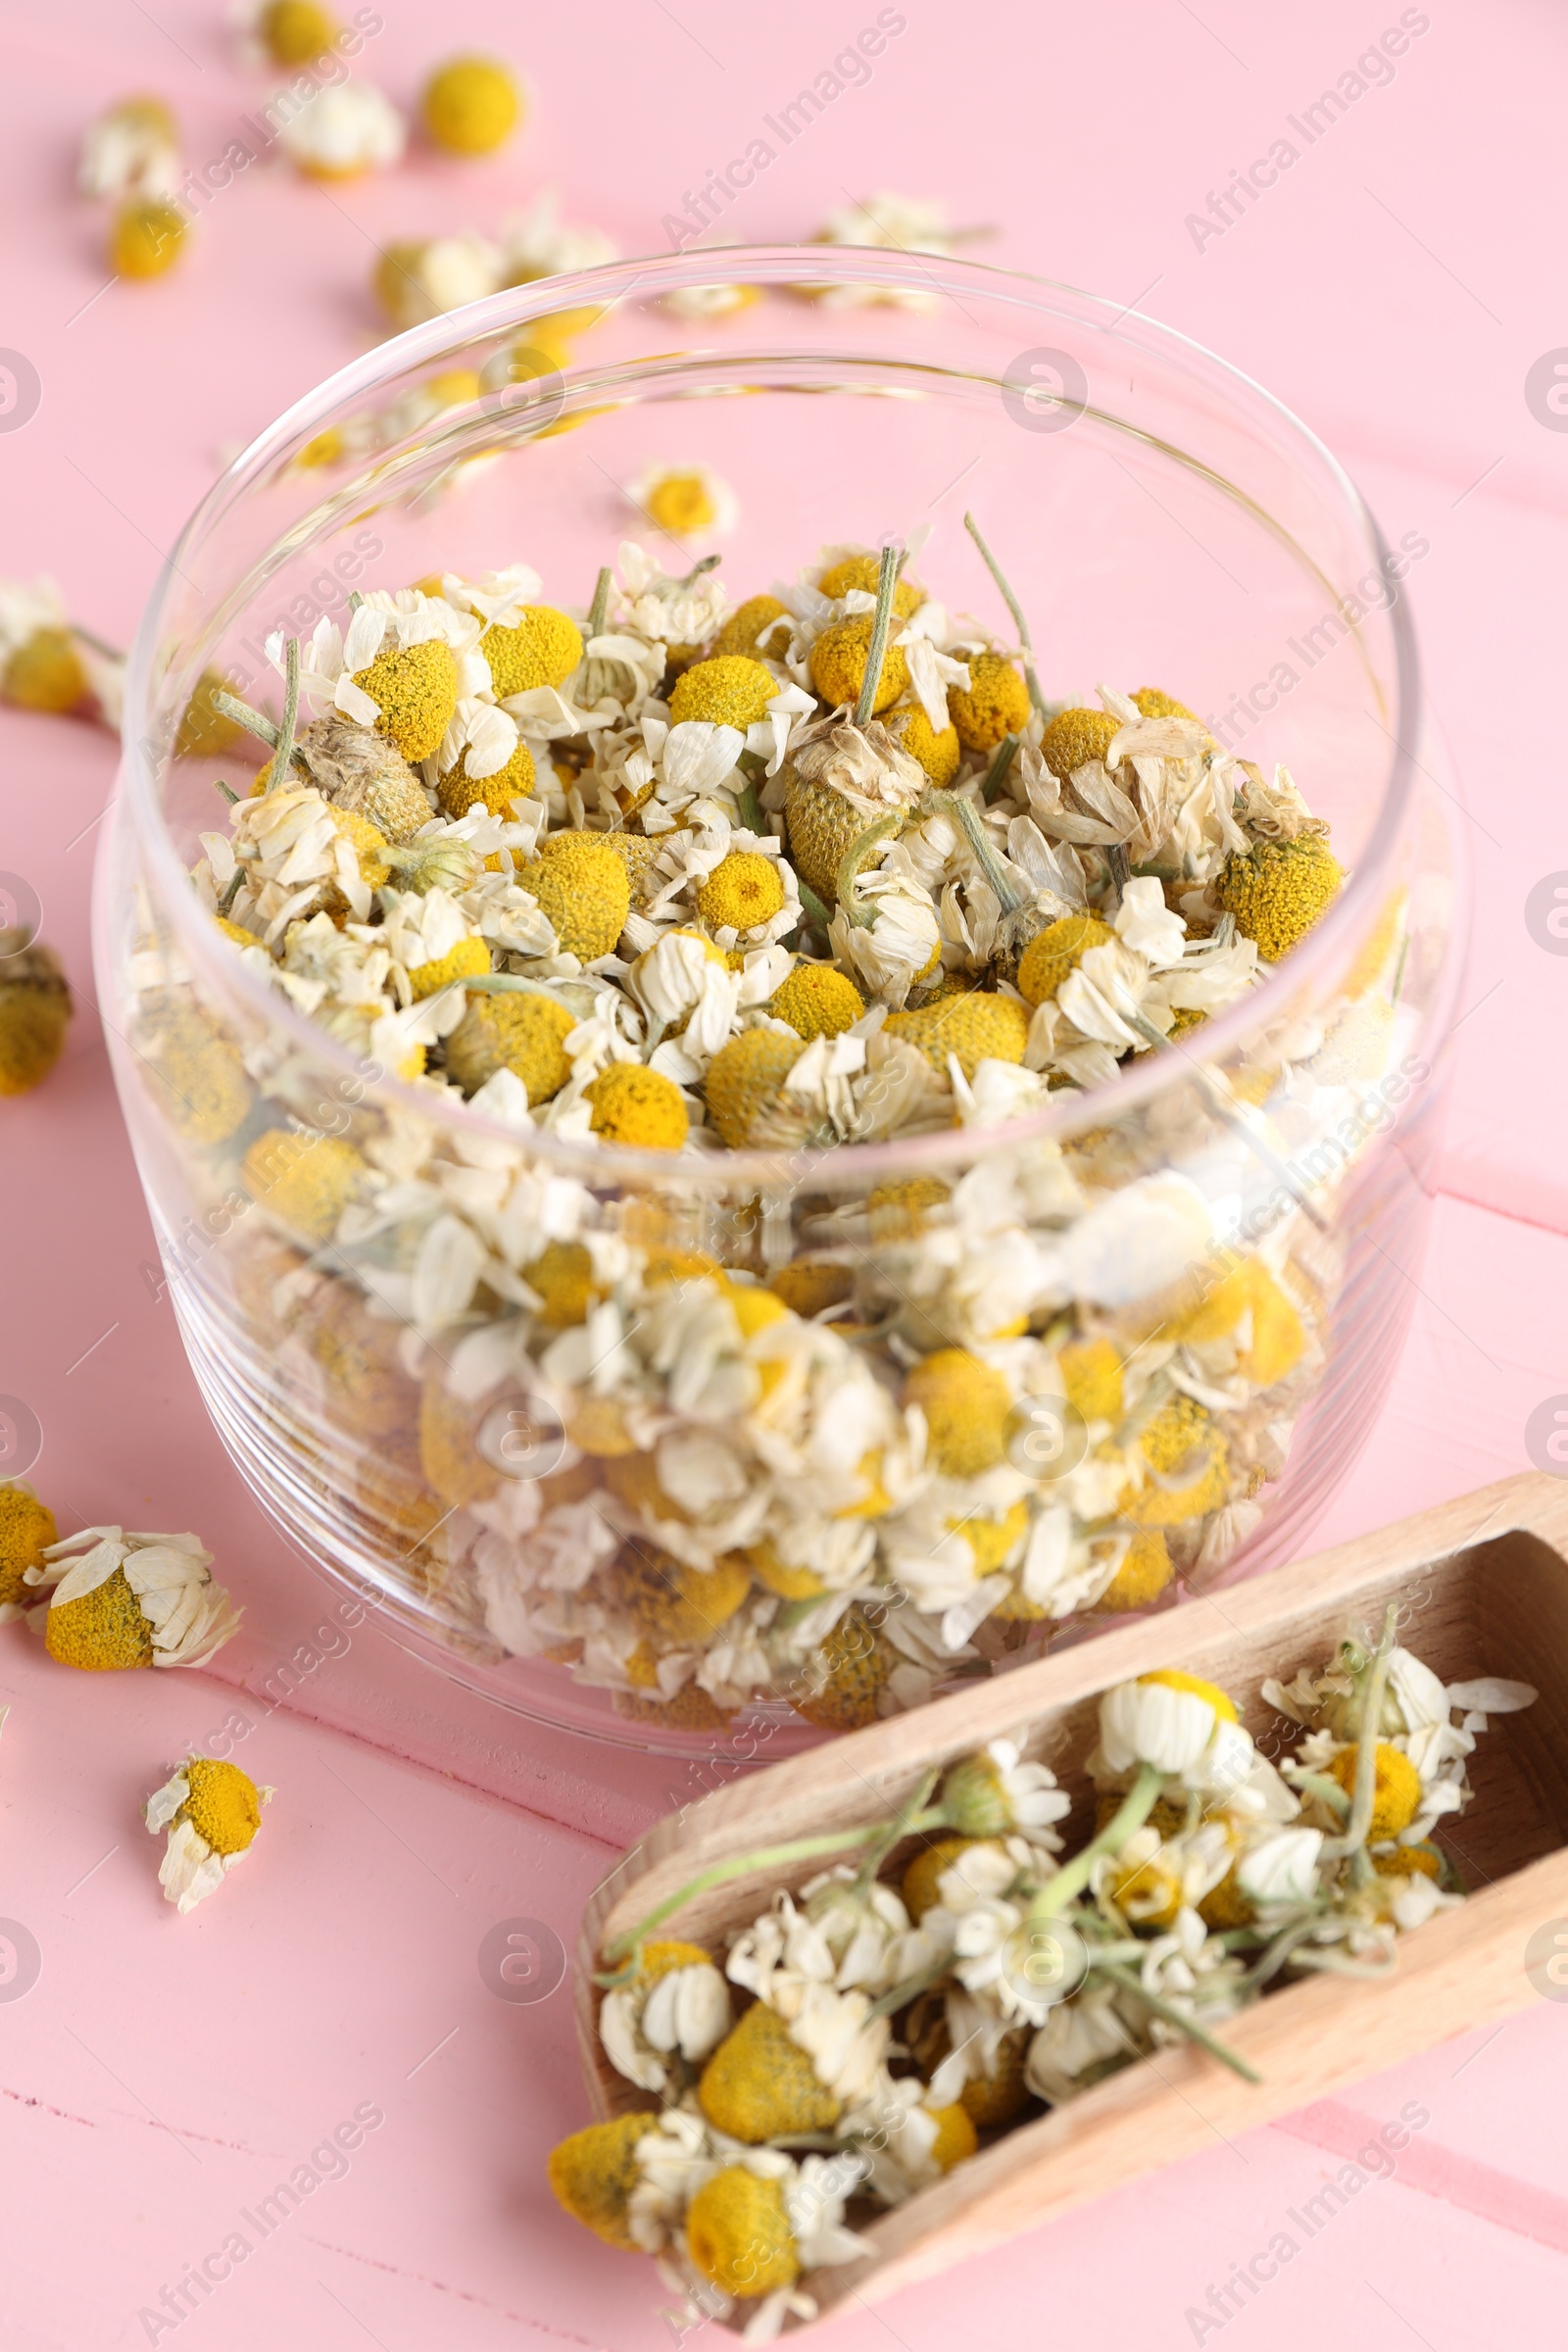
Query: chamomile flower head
{"points": [[460, 789], [118, 1599], [744, 891], [818, 999], [1076, 736], [684, 501], [893, 223], [743, 1080], [36, 1007], [837, 659], [973, 1027], [303, 1180], [344, 131], [584, 890], [738, 2233], [966, 1403], [994, 704], [26, 1531], [470, 105], [538, 243], [525, 1034], [731, 691], [994, 1793], [938, 750], [147, 236], [1173, 1721], [132, 148], [1055, 952], [212, 1811], [676, 2007], [1278, 889], [533, 645], [288, 33], [595, 2172], [417, 279], [639, 1107], [758, 627]]}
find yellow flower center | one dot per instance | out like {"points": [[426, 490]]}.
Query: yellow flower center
{"points": [[224, 1804], [682, 503], [103, 1632]]}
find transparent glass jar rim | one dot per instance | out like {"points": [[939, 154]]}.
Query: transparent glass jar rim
{"points": [[501, 315]]}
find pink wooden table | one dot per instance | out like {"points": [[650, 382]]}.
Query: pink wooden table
{"points": [[164, 2076]]}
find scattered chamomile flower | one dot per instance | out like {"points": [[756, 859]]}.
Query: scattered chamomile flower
{"points": [[470, 105], [35, 1009], [684, 501], [118, 1599], [538, 243], [131, 149], [286, 33], [212, 1811], [888, 224], [344, 131], [415, 280], [41, 666], [26, 1531], [147, 236]]}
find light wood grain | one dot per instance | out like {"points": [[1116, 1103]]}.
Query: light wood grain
{"points": [[1482, 1583]]}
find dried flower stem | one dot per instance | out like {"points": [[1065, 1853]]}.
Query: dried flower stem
{"points": [[1025, 641], [599, 609], [1366, 1752], [996, 773], [253, 721], [1130, 1981], [1073, 1876], [770, 1857], [284, 756], [881, 620]]}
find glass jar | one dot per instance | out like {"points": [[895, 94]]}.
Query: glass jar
{"points": [[698, 1508]]}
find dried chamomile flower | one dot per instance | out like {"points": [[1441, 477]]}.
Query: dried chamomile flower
{"points": [[972, 1027], [532, 645], [817, 1000], [132, 148], [583, 888], [147, 236], [355, 767], [415, 280], [676, 2007], [470, 105], [1278, 889], [26, 1531], [41, 666], [344, 131], [753, 629], [205, 731], [302, 1180], [525, 1034], [120, 1599], [288, 33], [966, 1403], [838, 662], [1055, 952], [994, 704], [212, 1811], [744, 1079], [594, 2173], [683, 501], [36, 1007], [639, 1107], [1076, 736], [896, 223]]}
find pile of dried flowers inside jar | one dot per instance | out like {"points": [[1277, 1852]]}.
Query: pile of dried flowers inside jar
{"points": [[823, 869]]}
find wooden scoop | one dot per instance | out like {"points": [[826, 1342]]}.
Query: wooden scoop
{"points": [[1482, 1586]]}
